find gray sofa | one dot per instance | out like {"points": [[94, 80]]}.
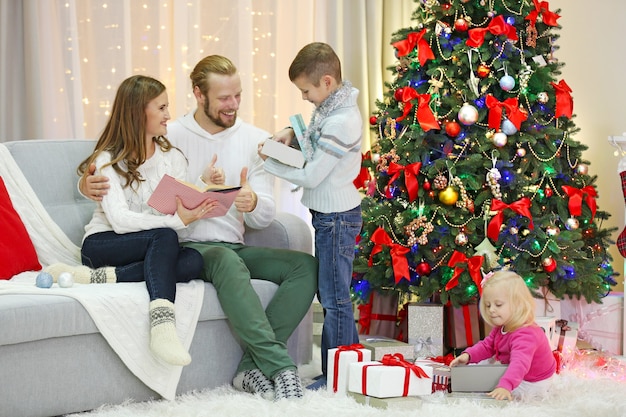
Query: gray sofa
{"points": [[54, 361]]}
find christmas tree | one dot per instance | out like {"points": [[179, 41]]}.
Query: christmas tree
{"points": [[475, 166]]}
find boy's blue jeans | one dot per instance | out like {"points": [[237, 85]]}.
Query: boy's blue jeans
{"points": [[335, 239]]}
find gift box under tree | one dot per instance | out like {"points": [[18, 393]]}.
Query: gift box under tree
{"points": [[379, 316], [391, 377], [565, 336], [425, 329], [462, 326], [339, 360]]}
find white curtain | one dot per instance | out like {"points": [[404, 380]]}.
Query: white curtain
{"points": [[62, 60]]}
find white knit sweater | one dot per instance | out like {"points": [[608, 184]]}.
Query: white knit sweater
{"points": [[327, 179], [236, 148]]}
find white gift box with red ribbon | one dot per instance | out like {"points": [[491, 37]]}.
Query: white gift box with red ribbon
{"points": [[391, 377], [339, 360]]}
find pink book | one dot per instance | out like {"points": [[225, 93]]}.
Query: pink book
{"points": [[163, 198]]}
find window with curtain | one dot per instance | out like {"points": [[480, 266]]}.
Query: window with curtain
{"points": [[62, 60]]}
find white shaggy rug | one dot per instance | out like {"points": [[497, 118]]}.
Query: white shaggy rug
{"points": [[590, 385]]}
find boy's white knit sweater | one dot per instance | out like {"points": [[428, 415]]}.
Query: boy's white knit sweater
{"points": [[327, 179]]}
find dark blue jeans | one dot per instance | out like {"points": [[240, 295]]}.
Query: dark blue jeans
{"points": [[335, 238], [154, 256]]}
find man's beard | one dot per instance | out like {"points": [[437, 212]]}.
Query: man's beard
{"points": [[216, 120]]}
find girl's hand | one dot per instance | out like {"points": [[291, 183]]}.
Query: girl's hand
{"points": [[501, 394], [462, 359], [189, 216]]}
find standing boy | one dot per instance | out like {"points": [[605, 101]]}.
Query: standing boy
{"points": [[332, 150]]}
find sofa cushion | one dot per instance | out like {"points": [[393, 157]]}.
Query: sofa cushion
{"points": [[17, 253]]}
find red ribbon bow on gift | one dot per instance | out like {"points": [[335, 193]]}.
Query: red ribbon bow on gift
{"points": [[513, 112], [394, 360], [473, 268], [345, 348], [496, 27], [564, 101], [398, 254], [521, 206], [425, 116], [548, 17], [364, 173], [411, 172], [412, 40], [576, 197]]}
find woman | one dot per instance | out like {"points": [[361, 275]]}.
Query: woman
{"points": [[126, 240]]}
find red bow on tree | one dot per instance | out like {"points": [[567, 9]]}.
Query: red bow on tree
{"points": [[548, 17], [411, 172], [473, 268], [513, 112], [564, 101], [364, 173], [413, 39], [425, 116], [576, 197], [496, 27], [398, 254], [521, 206]]}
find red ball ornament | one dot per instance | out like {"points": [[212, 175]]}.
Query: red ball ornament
{"points": [[398, 94], [423, 268], [373, 120], [453, 129], [446, 6], [461, 25], [548, 192], [549, 264], [483, 70], [426, 186]]}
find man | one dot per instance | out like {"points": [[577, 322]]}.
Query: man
{"points": [[213, 130]]}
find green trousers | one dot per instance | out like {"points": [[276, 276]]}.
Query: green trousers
{"points": [[264, 333]]}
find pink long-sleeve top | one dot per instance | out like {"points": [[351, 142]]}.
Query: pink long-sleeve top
{"points": [[526, 351]]}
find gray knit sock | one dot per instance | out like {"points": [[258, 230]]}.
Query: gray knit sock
{"points": [[254, 382], [83, 274], [287, 385]]}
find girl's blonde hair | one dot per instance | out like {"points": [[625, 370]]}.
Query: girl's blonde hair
{"points": [[519, 296]]}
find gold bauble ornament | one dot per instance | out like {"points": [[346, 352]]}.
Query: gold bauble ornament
{"points": [[448, 196]]}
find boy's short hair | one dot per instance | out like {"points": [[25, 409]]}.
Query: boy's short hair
{"points": [[314, 61], [520, 297]]}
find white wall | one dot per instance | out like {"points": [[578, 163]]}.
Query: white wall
{"points": [[592, 46]]}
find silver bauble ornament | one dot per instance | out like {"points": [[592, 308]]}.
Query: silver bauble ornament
{"points": [[461, 239], [582, 169], [543, 97], [468, 115], [499, 139], [572, 223], [508, 127], [507, 83]]}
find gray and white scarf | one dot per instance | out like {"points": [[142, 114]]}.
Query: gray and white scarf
{"points": [[332, 102]]}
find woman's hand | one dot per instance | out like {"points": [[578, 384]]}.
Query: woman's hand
{"points": [[189, 216], [501, 394]]}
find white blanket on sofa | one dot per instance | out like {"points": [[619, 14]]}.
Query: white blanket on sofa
{"points": [[120, 311]]}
